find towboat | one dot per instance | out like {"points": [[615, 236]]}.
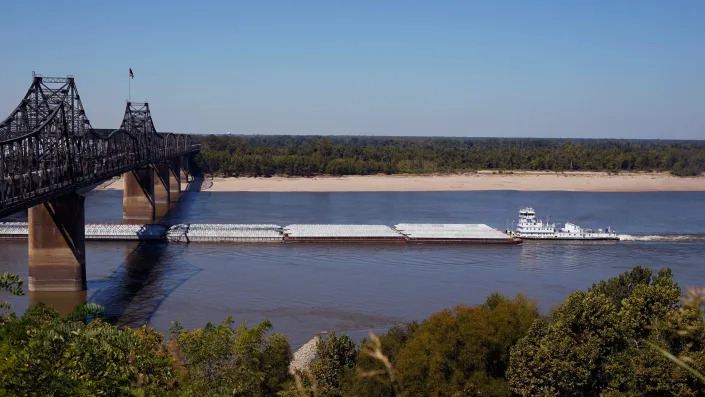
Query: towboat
{"points": [[531, 228]]}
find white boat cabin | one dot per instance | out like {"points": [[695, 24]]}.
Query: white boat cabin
{"points": [[531, 228]]}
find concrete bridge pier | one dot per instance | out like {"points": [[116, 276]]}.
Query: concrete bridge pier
{"points": [[138, 195], [57, 253], [184, 168], [174, 180], [63, 302], [162, 189]]}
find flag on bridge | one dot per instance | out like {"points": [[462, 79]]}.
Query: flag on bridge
{"points": [[132, 75]]}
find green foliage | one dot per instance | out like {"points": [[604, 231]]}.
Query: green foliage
{"points": [[597, 342], [82, 312], [222, 360], [42, 353], [376, 385], [364, 155], [336, 354], [465, 348], [12, 283], [627, 336], [45, 354]]}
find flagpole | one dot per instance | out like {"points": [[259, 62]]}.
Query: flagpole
{"points": [[129, 88]]}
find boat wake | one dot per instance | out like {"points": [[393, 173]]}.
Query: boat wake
{"points": [[664, 237]]}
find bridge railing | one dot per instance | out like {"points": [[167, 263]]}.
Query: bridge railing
{"points": [[37, 162]]}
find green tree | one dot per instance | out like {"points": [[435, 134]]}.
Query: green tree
{"points": [[335, 354], [368, 377], [310, 155], [464, 350], [597, 342], [220, 359], [45, 354]]}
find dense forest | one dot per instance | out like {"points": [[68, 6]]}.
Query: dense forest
{"points": [[262, 155], [631, 335]]}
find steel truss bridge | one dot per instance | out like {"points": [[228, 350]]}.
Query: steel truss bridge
{"points": [[48, 147]]}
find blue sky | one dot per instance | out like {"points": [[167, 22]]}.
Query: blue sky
{"points": [[624, 69]]}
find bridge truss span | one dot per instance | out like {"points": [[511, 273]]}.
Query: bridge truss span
{"points": [[48, 147]]}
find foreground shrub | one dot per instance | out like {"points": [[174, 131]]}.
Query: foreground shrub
{"points": [[598, 342], [42, 353], [239, 361], [336, 354], [12, 284], [370, 378], [464, 350], [627, 336]]}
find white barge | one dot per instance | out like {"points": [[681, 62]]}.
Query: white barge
{"points": [[530, 228], [303, 233], [95, 231], [454, 233], [221, 233]]}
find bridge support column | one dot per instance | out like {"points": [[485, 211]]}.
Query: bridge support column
{"points": [[63, 302], [161, 189], [57, 254], [184, 168], [174, 180], [138, 195]]}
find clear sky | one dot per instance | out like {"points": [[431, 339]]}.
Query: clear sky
{"points": [[624, 69]]}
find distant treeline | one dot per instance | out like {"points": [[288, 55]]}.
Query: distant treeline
{"points": [[259, 155]]}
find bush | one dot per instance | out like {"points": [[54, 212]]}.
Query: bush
{"points": [[45, 354], [12, 284], [336, 354], [598, 342], [464, 350], [234, 361], [627, 336], [353, 384]]}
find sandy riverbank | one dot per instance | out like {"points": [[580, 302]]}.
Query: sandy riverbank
{"points": [[484, 180]]}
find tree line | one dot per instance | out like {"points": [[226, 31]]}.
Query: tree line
{"points": [[262, 155], [631, 335]]}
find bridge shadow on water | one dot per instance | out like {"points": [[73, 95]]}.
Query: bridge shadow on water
{"points": [[150, 273]]}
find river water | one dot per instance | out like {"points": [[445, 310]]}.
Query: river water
{"points": [[304, 289]]}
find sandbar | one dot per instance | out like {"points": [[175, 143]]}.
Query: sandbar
{"points": [[482, 180]]}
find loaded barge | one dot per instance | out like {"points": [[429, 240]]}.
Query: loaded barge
{"points": [[528, 228], [416, 233], [454, 233], [342, 234], [222, 233], [95, 231]]}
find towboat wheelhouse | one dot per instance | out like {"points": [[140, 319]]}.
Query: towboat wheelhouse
{"points": [[530, 226]]}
